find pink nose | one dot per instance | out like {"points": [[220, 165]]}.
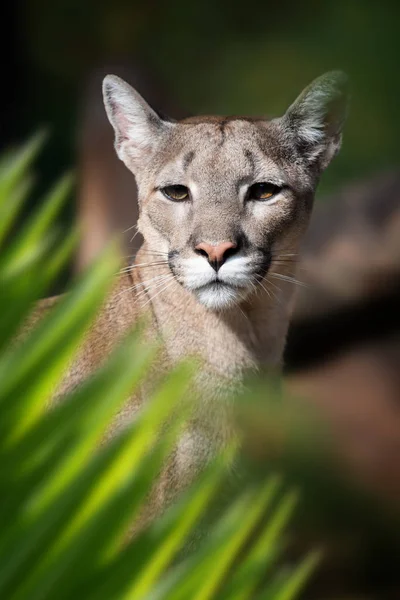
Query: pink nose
{"points": [[217, 254]]}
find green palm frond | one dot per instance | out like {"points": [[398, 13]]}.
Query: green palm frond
{"points": [[67, 503]]}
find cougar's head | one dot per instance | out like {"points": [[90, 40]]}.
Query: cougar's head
{"points": [[226, 199]]}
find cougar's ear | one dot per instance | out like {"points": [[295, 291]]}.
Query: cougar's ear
{"points": [[315, 120], [137, 127]]}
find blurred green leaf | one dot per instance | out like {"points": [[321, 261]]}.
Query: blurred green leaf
{"points": [[71, 494], [14, 168]]}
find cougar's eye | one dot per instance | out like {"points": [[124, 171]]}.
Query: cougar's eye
{"points": [[179, 193], [263, 191]]}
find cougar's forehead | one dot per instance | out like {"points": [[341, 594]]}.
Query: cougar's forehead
{"points": [[219, 160], [221, 152]]}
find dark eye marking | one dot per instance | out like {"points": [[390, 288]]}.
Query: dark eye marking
{"points": [[250, 158], [187, 159], [263, 191], [177, 193]]}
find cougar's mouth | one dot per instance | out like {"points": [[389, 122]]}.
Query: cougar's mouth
{"points": [[218, 290], [220, 284]]}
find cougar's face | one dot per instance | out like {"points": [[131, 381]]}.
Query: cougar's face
{"points": [[224, 207], [225, 200]]}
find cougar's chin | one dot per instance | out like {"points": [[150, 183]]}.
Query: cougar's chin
{"points": [[218, 295]]}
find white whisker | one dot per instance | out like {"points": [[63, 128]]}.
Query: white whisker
{"points": [[264, 288], [289, 279], [275, 286], [242, 311], [157, 280], [149, 281], [148, 264], [129, 228], [275, 296], [154, 285], [160, 292], [134, 235]]}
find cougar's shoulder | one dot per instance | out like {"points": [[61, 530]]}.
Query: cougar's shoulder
{"points": [[114, 320], [41, 309]]}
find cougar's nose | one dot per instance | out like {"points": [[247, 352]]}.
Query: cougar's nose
{"points": [[216, 254]]}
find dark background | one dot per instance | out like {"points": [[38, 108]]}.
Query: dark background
{"points": [[211, 56]]}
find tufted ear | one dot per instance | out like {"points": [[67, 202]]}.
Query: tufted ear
{"points": [[137, 127], [315, 120]]}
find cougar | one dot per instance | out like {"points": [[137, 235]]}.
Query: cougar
{"points": [[224, 203]]}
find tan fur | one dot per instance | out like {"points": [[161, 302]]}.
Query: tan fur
{"points": [[218, 159]]}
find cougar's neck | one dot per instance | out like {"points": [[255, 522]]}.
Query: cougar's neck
{"points": [[249, 336]]}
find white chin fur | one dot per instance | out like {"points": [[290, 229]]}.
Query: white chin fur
{"points": [[217, 297]]}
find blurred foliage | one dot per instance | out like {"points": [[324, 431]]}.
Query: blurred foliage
{"points": [[66, 505]]}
